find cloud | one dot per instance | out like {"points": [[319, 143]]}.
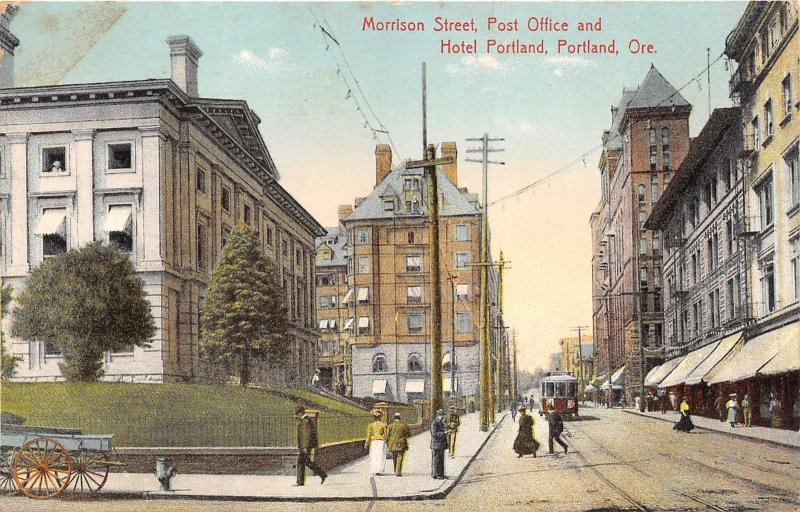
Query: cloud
{"points": [[274, 60], [561, 63], [515, 127], [472, 64]]}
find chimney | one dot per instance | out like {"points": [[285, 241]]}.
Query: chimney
{"points": [[450, 170], [383, 162], [8, 44], [184, 55]]}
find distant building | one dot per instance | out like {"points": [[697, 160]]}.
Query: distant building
{"points": [[389, 293], [163, 174], [556, 362], [647, 141], [578, 362]]}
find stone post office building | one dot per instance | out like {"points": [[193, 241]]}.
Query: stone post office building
{"points": [[164, 175]]}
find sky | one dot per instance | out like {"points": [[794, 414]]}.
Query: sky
{"points": [[551, 109]]}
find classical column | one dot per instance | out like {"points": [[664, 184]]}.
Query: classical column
{"points": [[152, 165], [84, 174], [18, 143]]}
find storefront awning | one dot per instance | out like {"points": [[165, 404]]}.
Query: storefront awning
{"points": [[415, 386], [589, 389], [754, 355], [348, 297], [446, 384], [723, 348], [118, 220], [363, 322], [617, 380], [657, 374], [788, 358], [379, 386], [53, 222], [678, 376], [363, 294]]}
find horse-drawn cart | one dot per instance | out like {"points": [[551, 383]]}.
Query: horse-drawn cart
{"points": [[42, 463]]}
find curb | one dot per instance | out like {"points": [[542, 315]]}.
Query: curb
{"points": [[440, 494], [778, 444]]}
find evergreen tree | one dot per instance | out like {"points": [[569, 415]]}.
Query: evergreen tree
{"points": [[244, 314], [84, 302], [8, 362]]}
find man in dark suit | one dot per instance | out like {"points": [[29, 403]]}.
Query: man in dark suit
{"points": [[307, 442], [555, 427], [397, 436], [438, 445]]}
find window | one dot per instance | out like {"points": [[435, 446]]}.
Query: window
{"points": [[363, 295], [654, 191], [765, 206], [411, 238], [787, 95], [794, 264], [414, 295], [118, 226], [202, 246], [711, 193], [463, 259], [767, 286], [379, 364], [449, 363], [462, 291], [642, 218], [200, 176], [729, 237], [362, 265], [298, 256], [642, 246], [643, 278], [327, 301], [246, 214], [362, 236], [695, 272], [225, 200], [462, 233], [657, 277], [656, 244], [363, 325], [793, 167], [713, 308], [764, 36], [464, 323], [653, 149], [656, 301], [54, 160], [327, 279], [733, 172], [768, 119], [695, 211], [52, 350], [120, 157], [415, 321], [641, 194], [755, 134], [388, 205], [712, 251], [52, 229], [698, 323], [667, 179], [411, 184], [415, 363], [226, 231], [414, 263], [270, 236], [665, 150]]}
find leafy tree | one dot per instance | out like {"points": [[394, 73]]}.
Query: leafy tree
{"points": [[244, 315], [8, 362], [84, 302]]}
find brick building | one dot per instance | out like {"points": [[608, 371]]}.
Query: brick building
{"points": [[647, 141], [164, 174], [390, 291]]}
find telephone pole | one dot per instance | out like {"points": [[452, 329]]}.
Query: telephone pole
{"points": [[486, 384], [501, 347], [580, 329], [429, 163], [514, 390]]}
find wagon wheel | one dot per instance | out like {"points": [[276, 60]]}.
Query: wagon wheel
{"points": [[7, 485], [41, 468], [89, 471]]}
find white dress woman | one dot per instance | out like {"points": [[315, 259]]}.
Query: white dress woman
{"points": [[376, 444]]}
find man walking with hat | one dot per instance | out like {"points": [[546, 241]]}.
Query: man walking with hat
{"points": [[398, 434], [438, 445], [307, 442]]}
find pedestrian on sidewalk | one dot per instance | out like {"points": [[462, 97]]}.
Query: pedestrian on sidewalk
{"points": [[555, 427], [719, 405], [525, 443], [514, 412], [662, 400], [685, 423], [673, 400], [747, 410], [397, 434], [796, 413], [733, 409], [775, 411], [307, 442], [438, 445], [376, 443], [453, 422]]}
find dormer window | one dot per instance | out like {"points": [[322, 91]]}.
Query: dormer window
{"points": [[388, 205]]}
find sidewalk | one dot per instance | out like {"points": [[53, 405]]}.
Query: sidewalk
{"points": [[777, 436], [348, 482]]}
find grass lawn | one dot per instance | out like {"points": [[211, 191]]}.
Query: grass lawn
{"points": [[178, 414]]}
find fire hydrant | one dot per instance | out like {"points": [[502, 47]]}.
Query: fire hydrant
{"points": [[165, 473]]}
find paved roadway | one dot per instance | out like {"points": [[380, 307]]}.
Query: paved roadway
{"points": [[619, 462]]}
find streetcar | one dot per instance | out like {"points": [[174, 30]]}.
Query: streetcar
{"points": [[559, 392]]}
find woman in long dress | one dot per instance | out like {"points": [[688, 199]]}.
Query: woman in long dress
{"points": [[525, 443], [685, 423], [376, 443]]}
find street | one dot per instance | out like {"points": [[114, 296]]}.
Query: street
{"points": [[617, 461]]}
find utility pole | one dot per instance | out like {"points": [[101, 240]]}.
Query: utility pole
{"points": [[486, 385], [514, 390], [501, 349], [580, 328], [429, 163]]}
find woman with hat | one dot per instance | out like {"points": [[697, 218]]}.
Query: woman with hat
{"points": [[376, 443], [733, 409], [525, 443], [685, 423]]}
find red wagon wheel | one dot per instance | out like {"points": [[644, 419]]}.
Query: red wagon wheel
{"points": [[7, 485], [41, 468], [89, 471]]}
